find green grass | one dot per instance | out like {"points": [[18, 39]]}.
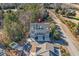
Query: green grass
{"points": [[76, 18]]}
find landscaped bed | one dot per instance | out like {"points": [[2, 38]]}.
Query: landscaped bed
{"points": [[64, 51]]}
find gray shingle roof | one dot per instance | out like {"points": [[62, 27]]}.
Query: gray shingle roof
{"points": [[39, 31]]}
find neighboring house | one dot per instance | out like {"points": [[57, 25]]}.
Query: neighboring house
{"points": [[16, 46], [70, 12], [24, 50], [27, 48], [33, 49], [52, 5], [2, 46], [46, 49], [55, 5], [9, 5], [39, 31], [2, 52], [11, 52]]}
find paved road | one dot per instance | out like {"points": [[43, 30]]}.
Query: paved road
{"points": [[69, 37]]}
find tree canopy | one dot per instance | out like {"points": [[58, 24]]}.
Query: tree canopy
{"points": [[13, 26]]}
